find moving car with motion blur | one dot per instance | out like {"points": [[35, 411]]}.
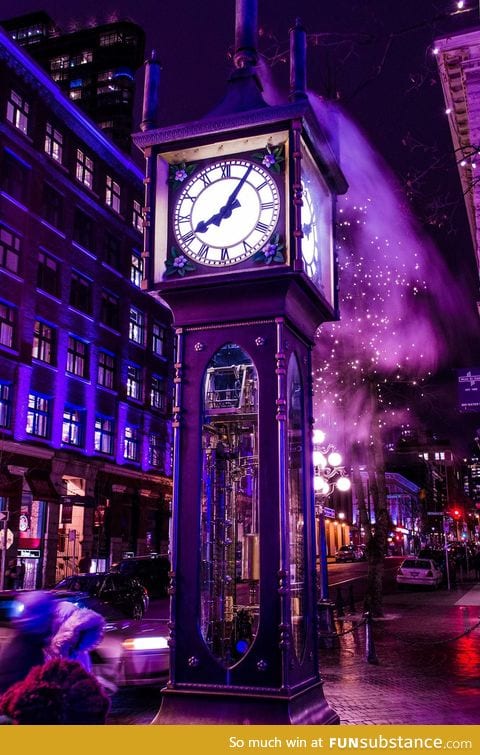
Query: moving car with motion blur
{"points": [[420, 572], [131, 653]]}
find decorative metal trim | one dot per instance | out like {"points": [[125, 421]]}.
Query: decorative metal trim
{"points": [[207, 127]]}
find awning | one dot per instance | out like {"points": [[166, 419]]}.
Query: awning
{"points": [[41, 485], [10, 484]]}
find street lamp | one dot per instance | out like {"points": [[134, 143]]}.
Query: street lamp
{"points": [[329, 474]]}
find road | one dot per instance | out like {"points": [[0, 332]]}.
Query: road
{"points": [[140, 705]]}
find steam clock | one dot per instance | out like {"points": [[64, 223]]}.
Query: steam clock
{"points": [[239, 243]]}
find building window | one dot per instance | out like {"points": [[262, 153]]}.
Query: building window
{"points": [[76, 94], [48, 274], [112, 194], [84, 230], [137, 220], [117, 38], [73, 426], [52, 206], [136, 326], [10, 245], [131, 448], [110, 310], [155, 451], [44, 342], [106, 370], [158, 338], [17, 111], [113, 251], [79, 60], [84, 169], [7, 325], [6, 397], [157, 393], [134, 382], [81, 293], [136, 268], [58, 63], [38, 415], [14, 177], [77, 357], [104, 435], [53, 143]]}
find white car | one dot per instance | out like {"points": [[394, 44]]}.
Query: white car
{"points": [[419, 571]]}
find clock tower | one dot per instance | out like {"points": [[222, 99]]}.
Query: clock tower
{"points": [[239, 242]]}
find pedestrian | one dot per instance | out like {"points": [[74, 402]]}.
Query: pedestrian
{"points": [[476, 565], [59, 691], [20, 575], [10, 574], [74, 632], [85, 564]]}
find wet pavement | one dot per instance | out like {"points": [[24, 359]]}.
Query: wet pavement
{"points": [[428, 650]]}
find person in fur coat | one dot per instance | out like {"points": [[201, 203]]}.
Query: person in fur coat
{"points": [[74, 632]]}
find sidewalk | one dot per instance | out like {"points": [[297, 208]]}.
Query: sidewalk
{"points": [[429, 661]]}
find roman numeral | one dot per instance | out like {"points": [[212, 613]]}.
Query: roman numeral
{"points": [[205, 178], [188, 196], [262, 185], [267, 206], [184, 218], [226, 170], [261, 227], [202, 254], [188, 237], [246, 246], [224, 256]]}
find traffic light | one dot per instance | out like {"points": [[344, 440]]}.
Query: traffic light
{"points": [[455, 512]]}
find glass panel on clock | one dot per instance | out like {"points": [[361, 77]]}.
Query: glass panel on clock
{"points": [[296, 498], [317, 227], [229, 539]]}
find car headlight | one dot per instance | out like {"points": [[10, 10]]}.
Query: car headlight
{"points": [[146, 643]]}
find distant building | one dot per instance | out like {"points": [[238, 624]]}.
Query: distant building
{"points": [[85, 447], [95, 67]]}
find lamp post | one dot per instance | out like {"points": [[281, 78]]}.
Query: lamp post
{"points": [[329, 474]]}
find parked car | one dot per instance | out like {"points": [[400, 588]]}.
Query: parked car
{"points": [[131, 653], [118, 590], [419, 571], [348, 553], [151, 571]]}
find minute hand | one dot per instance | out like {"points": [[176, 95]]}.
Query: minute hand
{"points": [[227, 208]]}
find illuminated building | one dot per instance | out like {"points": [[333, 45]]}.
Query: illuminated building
{"points": [[95, 66], [84, 370]]}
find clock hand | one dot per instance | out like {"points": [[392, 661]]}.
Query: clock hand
{"points": [[227, 208], [216, 219]]}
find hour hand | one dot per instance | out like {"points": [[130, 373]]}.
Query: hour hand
{"points": [[216, 219]]}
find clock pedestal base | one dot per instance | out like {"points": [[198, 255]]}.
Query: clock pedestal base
{"points": [[193, 707]]}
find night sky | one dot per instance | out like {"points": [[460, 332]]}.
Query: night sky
{"points": [[374, 55]]}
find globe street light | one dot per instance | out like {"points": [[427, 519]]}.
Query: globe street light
{"points": [[329, 474]]}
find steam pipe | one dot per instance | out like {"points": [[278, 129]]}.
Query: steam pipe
{"points": [[151, 91], [298, 62], [246, 25]]}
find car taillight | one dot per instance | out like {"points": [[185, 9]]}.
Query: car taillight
{"points": [[429, 573]]}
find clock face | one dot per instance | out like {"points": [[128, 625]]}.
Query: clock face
{"points": [[226, 212]]}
